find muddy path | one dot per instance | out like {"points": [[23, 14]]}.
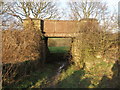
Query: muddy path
{"points": [[60, 61]]}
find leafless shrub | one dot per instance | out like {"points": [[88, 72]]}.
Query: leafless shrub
{"points": [[21, 52], [93, 42]]}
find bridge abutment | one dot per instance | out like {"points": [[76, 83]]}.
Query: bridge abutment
{"points": [[39, 26]]}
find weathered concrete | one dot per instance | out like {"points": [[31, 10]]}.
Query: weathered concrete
{"points": [[65, 28], [35, 22], [60, 28], [38, 26]]}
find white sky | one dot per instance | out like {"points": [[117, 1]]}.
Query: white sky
{"points": [[112, 4]]}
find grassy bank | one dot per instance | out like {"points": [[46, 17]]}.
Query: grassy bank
{"points": [[35, 79], [68, 77], [43, 76]]}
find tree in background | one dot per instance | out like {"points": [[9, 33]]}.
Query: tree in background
{"points": [[94, 41], [95, 45], [88, 9], [94, 9], [21, 10]]}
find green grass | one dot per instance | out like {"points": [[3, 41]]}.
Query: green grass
{"points": [[40, 78], [36, 79], [59, 49], [73, 78]]}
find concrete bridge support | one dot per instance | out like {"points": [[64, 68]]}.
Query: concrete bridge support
{"points": [[45, 50], [38, 26]]}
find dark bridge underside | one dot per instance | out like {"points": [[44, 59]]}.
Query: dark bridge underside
{"points": [[62, 35]]}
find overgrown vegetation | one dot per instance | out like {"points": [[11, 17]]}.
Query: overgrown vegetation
{"points": [[21, 48], [72, 77], [97, 52], [36, 79], [93, 64], [43, 76], [93, 60]]}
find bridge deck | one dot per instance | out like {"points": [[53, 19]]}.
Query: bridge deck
{"points": [[60, 28], [66, 28]]}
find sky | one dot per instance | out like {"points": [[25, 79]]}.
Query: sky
{"points": [[112, 4]]}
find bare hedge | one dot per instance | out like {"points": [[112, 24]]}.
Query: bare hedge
{"points": [[22, 52], [21, 45]]}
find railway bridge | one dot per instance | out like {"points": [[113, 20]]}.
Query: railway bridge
{"points": [[61, 28]]}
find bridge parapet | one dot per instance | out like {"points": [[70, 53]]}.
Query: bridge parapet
{"points": [[67, 28], [62, 28]]}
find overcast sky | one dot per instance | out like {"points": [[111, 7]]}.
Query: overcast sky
{"points": [[112, 4]]}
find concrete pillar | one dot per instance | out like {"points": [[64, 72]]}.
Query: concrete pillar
{"points": [[39, 25], [45, 50], [35, 22]]}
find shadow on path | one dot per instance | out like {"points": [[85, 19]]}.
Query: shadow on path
{"points": [[114, 82]]}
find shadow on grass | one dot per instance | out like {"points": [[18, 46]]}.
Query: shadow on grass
{"points": [[14, 72], [114, 82], [31, 75], [75, 80], [36, 79]]}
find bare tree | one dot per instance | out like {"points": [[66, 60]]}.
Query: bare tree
{"points": [[18, 11], [96, 41], [99, 10], [87, 9], [111, 23]]}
